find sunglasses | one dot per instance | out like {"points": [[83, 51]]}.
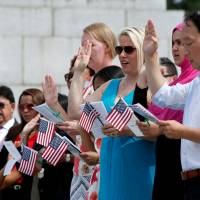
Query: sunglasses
{"points": [[28, 106], [2, 105], [127, 49]]}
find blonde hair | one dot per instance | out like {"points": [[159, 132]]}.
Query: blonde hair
{"points": [[137, 37], [104, 34]]}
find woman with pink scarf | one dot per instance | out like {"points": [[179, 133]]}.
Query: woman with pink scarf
{"points": [[168, 183]]}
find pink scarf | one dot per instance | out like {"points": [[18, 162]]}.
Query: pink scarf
{"points": [[187, 75]]}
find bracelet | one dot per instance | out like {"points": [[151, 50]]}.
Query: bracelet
{"points": [[56, 113]]}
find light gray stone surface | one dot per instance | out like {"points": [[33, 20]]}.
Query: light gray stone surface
{"points": [[41, 36]]}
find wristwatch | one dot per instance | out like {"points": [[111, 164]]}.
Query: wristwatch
{"points": [[67, 157]]}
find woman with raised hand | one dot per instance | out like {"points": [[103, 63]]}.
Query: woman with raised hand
{"points": [[98, 52], [126, 162]]}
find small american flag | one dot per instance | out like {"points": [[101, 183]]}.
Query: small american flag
{"points": [[55, 150], [120, 115], [28, 160], [46, 132], [88, 116]]}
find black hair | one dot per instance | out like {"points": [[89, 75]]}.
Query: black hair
{"points": [[7, 93], [108, 73], [63, 101], [38, 98], [171, 67], [91, 71], [193, 16]]}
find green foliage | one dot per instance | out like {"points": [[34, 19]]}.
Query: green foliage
{"points": [[184, 5]]}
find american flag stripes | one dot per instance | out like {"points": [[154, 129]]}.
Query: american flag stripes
{"points": [[88, 116], [46, 132], [28, 160], [55, 150], [120, 115]]}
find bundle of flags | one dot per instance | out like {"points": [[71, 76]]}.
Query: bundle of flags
{"points": [[88, 116], [120, 115]]}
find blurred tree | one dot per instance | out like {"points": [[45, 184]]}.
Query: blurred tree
{"points": [[183, 4]]}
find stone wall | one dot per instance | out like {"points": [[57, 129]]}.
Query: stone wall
{"points": [[40, 36]]}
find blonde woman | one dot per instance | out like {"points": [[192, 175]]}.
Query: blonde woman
{"points": [[126, 162]]}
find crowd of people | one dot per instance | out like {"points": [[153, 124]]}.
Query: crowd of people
{"points": [[161, 164]]}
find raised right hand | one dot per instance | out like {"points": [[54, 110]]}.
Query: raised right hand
{"points": [[83, 57], [150, 44], [50, 90]]}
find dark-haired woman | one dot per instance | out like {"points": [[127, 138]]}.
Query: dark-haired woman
{"points": [[17, 185]]}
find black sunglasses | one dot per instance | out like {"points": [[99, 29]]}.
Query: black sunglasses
{"points": [[127, 49], [2, 105], [28, 106]]}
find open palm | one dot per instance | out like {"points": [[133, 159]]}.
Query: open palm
{"points": [[50, 90], [83, 57], [150, 43]]}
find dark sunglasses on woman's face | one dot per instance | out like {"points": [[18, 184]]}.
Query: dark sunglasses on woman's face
{"points": [[28, 106], [127, 49]]}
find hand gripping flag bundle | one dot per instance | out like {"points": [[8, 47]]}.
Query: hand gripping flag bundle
{"points": [[46, 132], [28, 160], [120, 115], [55, 150], [88, 116]]}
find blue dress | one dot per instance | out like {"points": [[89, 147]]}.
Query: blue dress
{"points": [[127, 164]]}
